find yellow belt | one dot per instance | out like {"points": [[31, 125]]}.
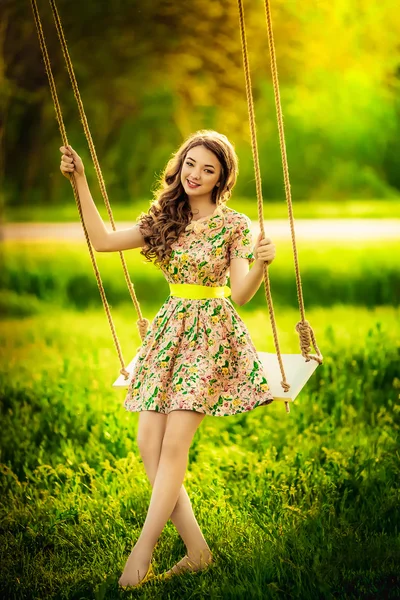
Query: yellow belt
{"points": [[196, 291]]}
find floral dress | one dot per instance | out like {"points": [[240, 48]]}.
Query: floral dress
{"points": [[198, 354]]}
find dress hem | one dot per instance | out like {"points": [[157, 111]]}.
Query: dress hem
{"points": [[209, 413]]}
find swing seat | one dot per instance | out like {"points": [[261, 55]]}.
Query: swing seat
{"points": [[297, 370]]}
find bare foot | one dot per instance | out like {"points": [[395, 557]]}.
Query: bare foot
{"points": [[195, 562], [135, 568]]}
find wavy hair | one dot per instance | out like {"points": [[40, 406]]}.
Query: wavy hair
{"points": [[170, 211]]}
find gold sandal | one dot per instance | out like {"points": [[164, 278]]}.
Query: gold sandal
{"points": [[149, 575], [180, 570]]}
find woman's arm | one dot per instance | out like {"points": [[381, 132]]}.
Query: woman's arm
{"points": [[102, 240], [100, 237], [245, 283]]}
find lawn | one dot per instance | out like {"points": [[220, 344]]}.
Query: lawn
{"points": [[299, 505]]}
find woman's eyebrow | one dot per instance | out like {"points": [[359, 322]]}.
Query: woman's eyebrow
{"points": [[204, 165]]}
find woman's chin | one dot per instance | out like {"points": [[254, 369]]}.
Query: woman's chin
{"points": [[190, 191]]}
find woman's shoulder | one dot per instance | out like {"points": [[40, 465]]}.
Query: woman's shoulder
{"points": [[236, 217]]}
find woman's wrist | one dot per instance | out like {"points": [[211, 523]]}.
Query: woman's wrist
{"points": [[258, 264]]}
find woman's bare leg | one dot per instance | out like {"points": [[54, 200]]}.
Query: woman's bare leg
{"points": [[150, 436], [180, 429]]}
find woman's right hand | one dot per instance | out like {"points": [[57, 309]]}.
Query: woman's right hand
{"points": [[70, 162]]}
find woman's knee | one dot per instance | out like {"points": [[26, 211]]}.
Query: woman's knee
{"points": [[151, 430], [179, 432]]}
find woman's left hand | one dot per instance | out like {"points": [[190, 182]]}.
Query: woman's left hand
{"points": [[264, 250]]}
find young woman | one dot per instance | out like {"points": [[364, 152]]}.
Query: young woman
{"points": [[197, 358]]}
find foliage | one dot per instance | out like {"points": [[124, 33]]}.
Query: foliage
{"points": [[151, 73]]}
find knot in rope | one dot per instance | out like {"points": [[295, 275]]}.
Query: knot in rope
{"points": [[303, 328], [124, 372], [285, 385], [143, 325]]}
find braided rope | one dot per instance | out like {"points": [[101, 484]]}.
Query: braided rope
{"points": [[141, 323], [63, 132], [303, 327], [252, 123]]}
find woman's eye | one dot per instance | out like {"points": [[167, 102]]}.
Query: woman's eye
{"points": [[191, 165]]}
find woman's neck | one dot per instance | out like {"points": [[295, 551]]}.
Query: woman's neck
{"points": [[203, 209]]}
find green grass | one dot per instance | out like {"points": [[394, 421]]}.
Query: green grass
{"points": [[303, 505], [325, 209], [334, 272]]}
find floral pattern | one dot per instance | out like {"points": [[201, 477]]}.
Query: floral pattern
{"points": [[198, 354]]}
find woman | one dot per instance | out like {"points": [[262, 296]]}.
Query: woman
{"points": [[197, 358]]}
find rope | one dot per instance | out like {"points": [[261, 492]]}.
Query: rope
{"points": [[63, 132], [142, 323], [303, 327]]}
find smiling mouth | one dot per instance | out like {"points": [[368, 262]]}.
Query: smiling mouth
{"points": [[192, 183]]}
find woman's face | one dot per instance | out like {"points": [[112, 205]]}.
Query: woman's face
{"points": [[201, 167]]}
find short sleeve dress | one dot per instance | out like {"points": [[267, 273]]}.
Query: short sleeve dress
{"points": [[198, 354]]}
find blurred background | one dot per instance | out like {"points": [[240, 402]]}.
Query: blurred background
{"points": [[150, 73], [310, 499]]}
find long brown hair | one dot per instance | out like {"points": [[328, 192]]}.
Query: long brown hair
{"points": [[170, 211]]}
